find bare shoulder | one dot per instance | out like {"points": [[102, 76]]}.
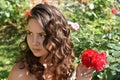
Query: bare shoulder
{"points": [[20, 74]]}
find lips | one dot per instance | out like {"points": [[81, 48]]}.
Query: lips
{"points": [[36, 50]]}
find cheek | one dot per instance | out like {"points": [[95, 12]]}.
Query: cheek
{"points": [[28, 41]]}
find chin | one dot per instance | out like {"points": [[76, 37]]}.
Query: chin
{"points": [[37, 55]]}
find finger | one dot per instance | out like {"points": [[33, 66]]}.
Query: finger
{"points": [[82, 68], [89, 71], [79, 68], [88, 75]]}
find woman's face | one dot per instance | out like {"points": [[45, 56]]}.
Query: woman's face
{"points": [[35, 38]]}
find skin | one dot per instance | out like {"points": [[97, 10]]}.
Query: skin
{"points": [[81, 69], [35, 38]]}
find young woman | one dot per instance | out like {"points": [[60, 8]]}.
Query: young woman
{"points": [[49, 55]]}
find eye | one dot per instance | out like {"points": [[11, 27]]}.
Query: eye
{"points": [[42, 35], [29, 33]]}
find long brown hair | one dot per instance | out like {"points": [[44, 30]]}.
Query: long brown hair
{"points": [[60, 55]]}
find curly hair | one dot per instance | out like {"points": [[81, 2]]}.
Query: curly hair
{"points": [[60, 55]]}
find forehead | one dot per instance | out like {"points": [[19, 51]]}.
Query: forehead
{"points": [[34, 26]]}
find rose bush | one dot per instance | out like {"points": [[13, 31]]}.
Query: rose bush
{"points": [[12, 25], [99, 30]]}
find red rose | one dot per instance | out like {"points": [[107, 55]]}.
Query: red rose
{"points": [[27, 13], [91, 58], [114, 11], [100, 61], [88, 56]]}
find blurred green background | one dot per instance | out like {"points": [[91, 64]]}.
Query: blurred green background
{"points": [[99, 28]]}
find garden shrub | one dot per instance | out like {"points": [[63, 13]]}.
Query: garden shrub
{"points": [[99, 30], [12, 24]]}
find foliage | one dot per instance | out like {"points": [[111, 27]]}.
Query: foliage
{"points": [[99, 29], [12, 18], [12, 24]]}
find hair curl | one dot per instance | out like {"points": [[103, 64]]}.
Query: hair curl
{"points": [[61, 54]]}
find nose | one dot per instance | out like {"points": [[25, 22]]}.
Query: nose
{"points": [[36, 40]]}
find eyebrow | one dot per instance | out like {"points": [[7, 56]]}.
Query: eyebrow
{"points": [[37, 33]]}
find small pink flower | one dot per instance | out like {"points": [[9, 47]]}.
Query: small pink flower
{"points": [[75, 26], [114, 11]]}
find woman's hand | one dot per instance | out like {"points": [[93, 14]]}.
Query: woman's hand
{"points": [[84, 73]]}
